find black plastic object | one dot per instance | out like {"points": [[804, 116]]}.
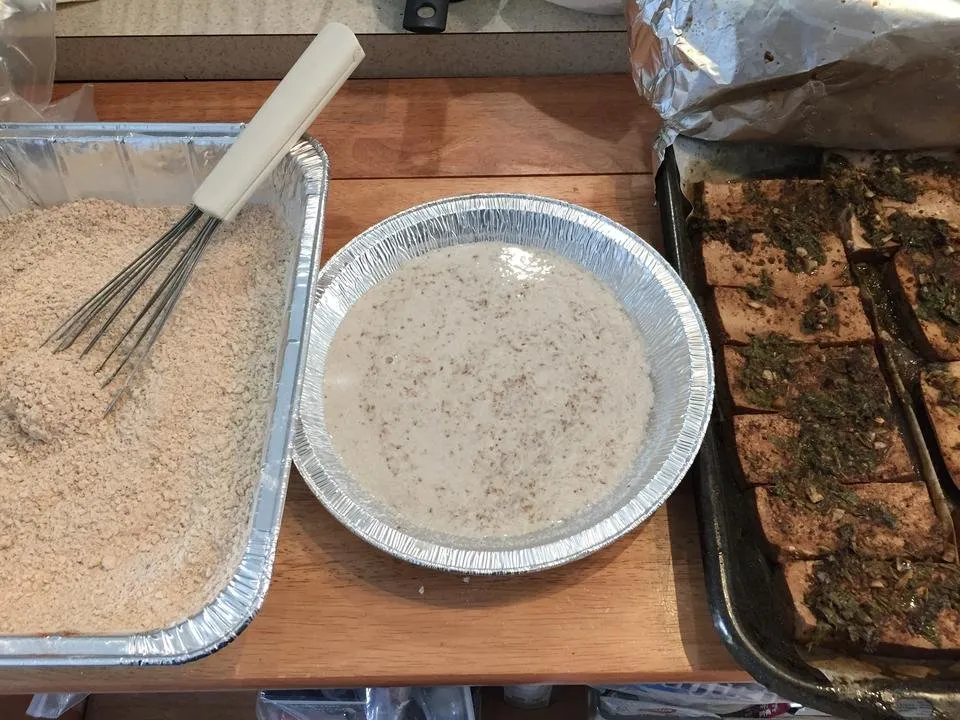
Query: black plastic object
{"points": [[746, 603], [426, 16]]}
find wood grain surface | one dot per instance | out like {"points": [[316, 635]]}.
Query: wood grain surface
{"points": [[433, 128], [340, 613]]}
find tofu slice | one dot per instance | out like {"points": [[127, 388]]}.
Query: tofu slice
{"points": [[731, 268], [777, 373], [944, 180], [762, 443], [927, 192], [880, 583], [941, 339], [732, 200], [728, 201], [800, 533], [740, 317], [930, 204], [854, 237], [937, 386]]}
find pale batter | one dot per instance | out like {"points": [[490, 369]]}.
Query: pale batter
{"points": [[487, 389]]}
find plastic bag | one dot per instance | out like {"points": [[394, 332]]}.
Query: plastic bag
{"points": [[688, 700], [429, 703], [53, 705], [27, 62], [404, 703], [310, 705]]}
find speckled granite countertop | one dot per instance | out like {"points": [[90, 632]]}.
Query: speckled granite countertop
{"points": [[241, 39]]}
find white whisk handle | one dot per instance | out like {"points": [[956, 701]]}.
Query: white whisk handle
{"points": [[305, 90]]}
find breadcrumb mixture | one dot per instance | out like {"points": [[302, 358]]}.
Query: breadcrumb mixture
{"points": [[133, 521]]}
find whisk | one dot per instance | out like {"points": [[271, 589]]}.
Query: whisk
{"points": [[305, 90]]}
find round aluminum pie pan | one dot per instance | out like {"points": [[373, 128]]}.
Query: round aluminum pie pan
{"points": [[656, 299]]}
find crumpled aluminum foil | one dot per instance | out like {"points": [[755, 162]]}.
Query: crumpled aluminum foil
{"points": [[866, 74]]}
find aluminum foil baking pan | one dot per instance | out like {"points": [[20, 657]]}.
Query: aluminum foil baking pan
{"points": [[653, 295], [162, 164]]}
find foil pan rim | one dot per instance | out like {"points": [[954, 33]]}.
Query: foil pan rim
{"points": [[236, 605], [407, 547]]}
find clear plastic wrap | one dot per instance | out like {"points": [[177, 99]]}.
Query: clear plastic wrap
{"points": [[53, 705], [527, 696], [869, 74], [27, 62]]}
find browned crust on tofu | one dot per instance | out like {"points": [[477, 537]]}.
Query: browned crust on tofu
{"points": [[797, 577], [728, 267], [813, 368], [740, 317], [907, 266], [793, 533], [762, 447], [945, 184], [894, 638], [855, 240], [931, 204], [726, 201], [944, 416]]}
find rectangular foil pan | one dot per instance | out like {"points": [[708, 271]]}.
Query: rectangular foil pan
{"points": [[162, 164], [745, 600]]}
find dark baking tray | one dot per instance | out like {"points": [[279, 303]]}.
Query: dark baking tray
{"points": [[745, 601]]}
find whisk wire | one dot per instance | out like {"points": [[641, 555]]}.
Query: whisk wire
{"points": [[138, 275], [176, 282], [163, 298], [75, 325], [118, 293]]}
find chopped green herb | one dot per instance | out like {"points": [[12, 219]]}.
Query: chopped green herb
{"points": [[933, 247], [842, 431], [861, 189], [797, 221], [886, 178], [937, 274], [919, 233], [767, 368], [820, 312], [854, 599], [948, 389], [735, 232], [762, 291]]}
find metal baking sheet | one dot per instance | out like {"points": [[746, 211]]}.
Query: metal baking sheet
{"points": [[653, 295], [162, 164], [744, 596]]}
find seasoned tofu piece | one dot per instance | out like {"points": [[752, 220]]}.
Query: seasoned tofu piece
{"points": [[941, 396], [866, 241], [930, 283], [766, 268], [769, 444], [893, 606], [932, 204], [747, 202], [879, 520], [770, 373], [825, 316], [869, 190], [886, 229]]}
